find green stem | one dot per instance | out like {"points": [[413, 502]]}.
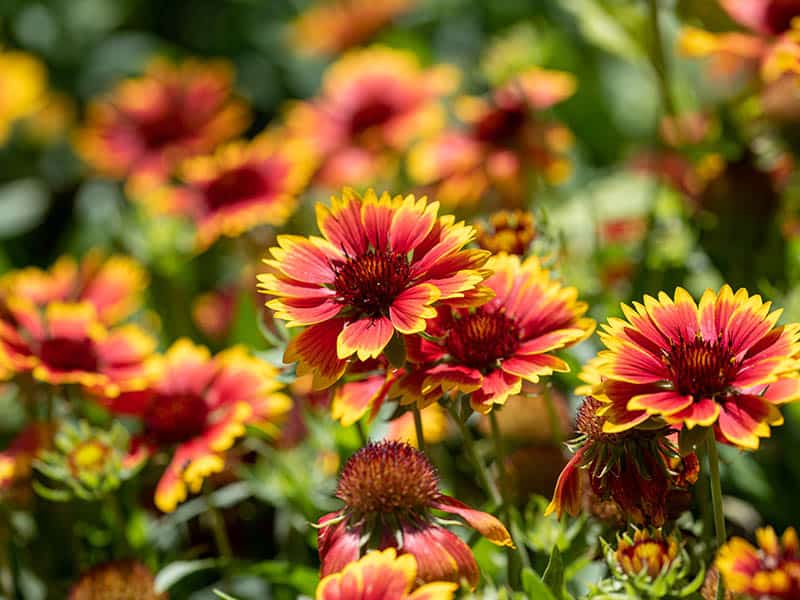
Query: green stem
{"points": [[218, 529], [716, 499], [362, 435], [418, 427], [472, 454], [507, 508], [659, 59], [552, 415]]}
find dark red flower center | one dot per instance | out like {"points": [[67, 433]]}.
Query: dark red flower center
{"points": [[237, 186], [174, 418], [500, 126], [480, 339], [779, 15], [372, 113], [370, 282], [166, 126], [388, 476], [701, 368], [69, 354]]}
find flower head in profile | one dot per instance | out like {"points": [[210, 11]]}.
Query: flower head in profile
{"points": [[378, 271], [722, 364], [197, 407], [382, 575], [147, 125], [118, 580], [640, 471], [770, 571], [390, 491], [502, 143], [329, 27], [239, 187], [114, 285], [373, 104], [23, 81], [66, 343], [488, 351]]}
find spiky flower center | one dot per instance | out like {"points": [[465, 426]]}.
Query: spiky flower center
{"points": [[386, 477], [482, 338], [177, 417], [69, 354], [369, 283], [90, 455], [120, 580], [701, 368]]}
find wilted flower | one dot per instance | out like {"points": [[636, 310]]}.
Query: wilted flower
{"points": [[723, 364], [240, 186], [199, 406], [389, 490], [23, 81], [119, 580], [509, 231], [374, 103], [85, 462], [640, 470], [650, 565], [382, 265], [330, 26], [65, 343], [147, 125], [113, 285], [503, 143], [382, 576], [770, 571], [488, 351]]}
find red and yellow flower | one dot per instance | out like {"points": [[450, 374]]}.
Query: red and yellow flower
{"points": [[16, 460], [147, 125], [639, 470], [382, 575], [770, 571], [374, 103], [389, 490], [331, 26], [113, 285], [503, 142], [239, 187], [379, 269], [488, 351], [647, 552], [23, 88], [723, 363], [66, 343], [509, 231], [197, 407]]}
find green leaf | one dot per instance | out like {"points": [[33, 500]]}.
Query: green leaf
{"points": [[224, 596], [245, 328], [301, 578], [553, 575], [175, 571], [533, 585]]}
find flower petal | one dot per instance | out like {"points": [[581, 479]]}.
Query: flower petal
{"points": [[411, 309], [743, 419], [484, 523], [411, 223], [315, 351], [366, 337], [660, 402], [496, 387], [532, 366], [702, 412]]}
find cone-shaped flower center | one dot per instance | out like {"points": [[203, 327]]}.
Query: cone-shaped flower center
{"points": [[700, 368], [779, 15], [234, 187], [174, 418], [481, 339], [388, 476], [69, 354], [370, 282]]}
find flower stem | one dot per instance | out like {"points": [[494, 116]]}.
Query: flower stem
{"points": [[418, 428], [716, 499], [217, 525], [362, 435], [472, 454], [511, 514], [659, 59]]}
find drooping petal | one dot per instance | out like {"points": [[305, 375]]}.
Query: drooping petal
{"points": [[484, 523], [567, 495], [703, 412], [743, 419], [338, 543], [440, 554], [366, 338]]}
